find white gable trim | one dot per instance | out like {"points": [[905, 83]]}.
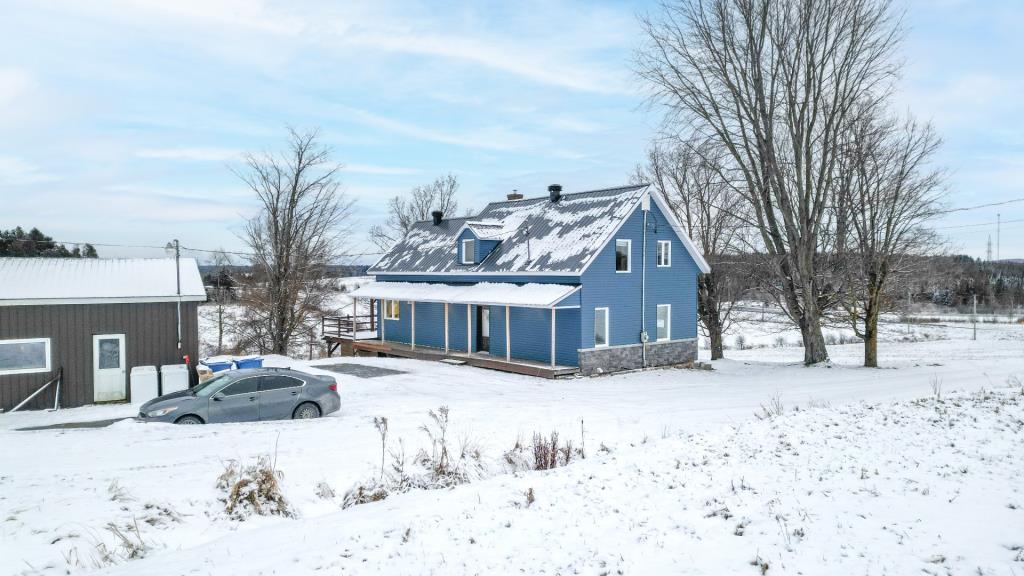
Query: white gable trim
{"points": [[681, 233], [673, 223]]}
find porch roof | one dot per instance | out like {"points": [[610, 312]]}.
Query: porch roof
{"points": [[485, 293]]}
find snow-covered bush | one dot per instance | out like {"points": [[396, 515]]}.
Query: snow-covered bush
{"points": [[254, 489], [442, 465]]}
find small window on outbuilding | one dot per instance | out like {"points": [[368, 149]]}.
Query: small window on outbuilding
{"points": [[392, 309], [467, 251], [622, 255], [664, 253], [24, 356]]}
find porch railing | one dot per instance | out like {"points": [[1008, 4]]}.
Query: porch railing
{"points": [[347, 326]]}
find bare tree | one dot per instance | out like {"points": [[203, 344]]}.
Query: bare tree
{"points": [[298, 232], [888, 191], [404, 211], [223, 293], [773, 82], [687, 175]]}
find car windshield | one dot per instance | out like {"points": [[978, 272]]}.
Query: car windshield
{"points": [[206, 389]]}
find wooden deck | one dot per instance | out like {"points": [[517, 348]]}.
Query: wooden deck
{"points": [[527, 367]]}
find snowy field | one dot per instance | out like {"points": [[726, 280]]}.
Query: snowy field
{"points": [[904, 469]]}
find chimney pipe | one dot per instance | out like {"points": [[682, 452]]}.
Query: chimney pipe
{"points": [[555, 192], [514, 195], [438, 215]]}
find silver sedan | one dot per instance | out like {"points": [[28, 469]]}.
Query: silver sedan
{"points": [[246, 396]]}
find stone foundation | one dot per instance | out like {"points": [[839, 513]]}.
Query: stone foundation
{"points": [[630, 357]]}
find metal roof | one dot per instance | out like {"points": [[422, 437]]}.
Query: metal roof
{"points": [[540, 236], [33, 281]]}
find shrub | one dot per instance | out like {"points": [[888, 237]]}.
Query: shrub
{"points": [[255, 489]]}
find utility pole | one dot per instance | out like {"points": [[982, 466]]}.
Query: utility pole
{"points": [[975, 318], [176, 247], [999, 225]]}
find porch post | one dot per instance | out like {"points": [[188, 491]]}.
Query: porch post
{"points": [[469, 328], [445, 327], [383, 315], [508, 337], [355, 310], [412, 341], [552, 337]]}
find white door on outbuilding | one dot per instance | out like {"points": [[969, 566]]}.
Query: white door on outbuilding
{"points": [[108, 380]]}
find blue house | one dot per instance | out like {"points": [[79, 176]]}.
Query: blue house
{"points": [[589, 282]]}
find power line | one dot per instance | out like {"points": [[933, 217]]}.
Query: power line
{"points": [[996, 222], [185, 248]]}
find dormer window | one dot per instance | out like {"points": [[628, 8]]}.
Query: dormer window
{"points": [[467, 251]]}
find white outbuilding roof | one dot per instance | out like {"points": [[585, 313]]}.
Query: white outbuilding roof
{"points": [[484, 293], [34, 281]]}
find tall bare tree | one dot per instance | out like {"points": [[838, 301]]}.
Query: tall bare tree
{"points": [[773, 82], [300, 228], [223, 293], [404, 211], [689, 178], [888, 191]]}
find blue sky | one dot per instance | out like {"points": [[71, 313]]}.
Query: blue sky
{"points": [[119, 119]]}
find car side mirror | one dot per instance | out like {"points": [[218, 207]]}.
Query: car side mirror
{"points": [[218, 397]]}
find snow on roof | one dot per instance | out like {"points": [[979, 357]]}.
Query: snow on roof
{"points": [[538, 236], [28, 281], [483, 293]]}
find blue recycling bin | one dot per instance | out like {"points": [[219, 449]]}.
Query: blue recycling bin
{"points": [[217, 366], [241, 363]]}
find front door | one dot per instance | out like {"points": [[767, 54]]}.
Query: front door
{"points": [[236, 403], [483, 330], [108, 373]]}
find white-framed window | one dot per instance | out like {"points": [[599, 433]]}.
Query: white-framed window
{"points": [[24, 356], [467, 251], [664, 322], [664, 253], [392, 309], [601, 327], [623, 251]]}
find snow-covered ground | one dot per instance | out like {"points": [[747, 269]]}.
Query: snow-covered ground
{"points": [[859, 480]]}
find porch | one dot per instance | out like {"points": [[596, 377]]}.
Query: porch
{"points": [[478, 359]]}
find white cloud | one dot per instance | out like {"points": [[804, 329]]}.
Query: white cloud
{"points": [[493, 138], [14, 84], [194, 154], [379, 170], [17, 172]]}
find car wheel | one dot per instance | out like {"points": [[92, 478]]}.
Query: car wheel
{"points": [[188, 420], [306, 411]]}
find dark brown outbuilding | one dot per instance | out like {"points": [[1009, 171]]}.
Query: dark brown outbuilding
{"points": [[96, 319]]}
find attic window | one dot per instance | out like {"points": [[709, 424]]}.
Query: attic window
{"points": [[622, 250], [467, 252], [664, 253]]}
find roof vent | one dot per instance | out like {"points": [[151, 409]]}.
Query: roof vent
{"points": [[438, 216], [555, 192], [515, 195]]}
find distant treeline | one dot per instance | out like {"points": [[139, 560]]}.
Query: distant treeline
{"points": [[335, 271], [35, 244], [955, 280]]}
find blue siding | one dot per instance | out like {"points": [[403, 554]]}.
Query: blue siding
{"points": [[396, 330], [430, 324], [621, 292]]}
